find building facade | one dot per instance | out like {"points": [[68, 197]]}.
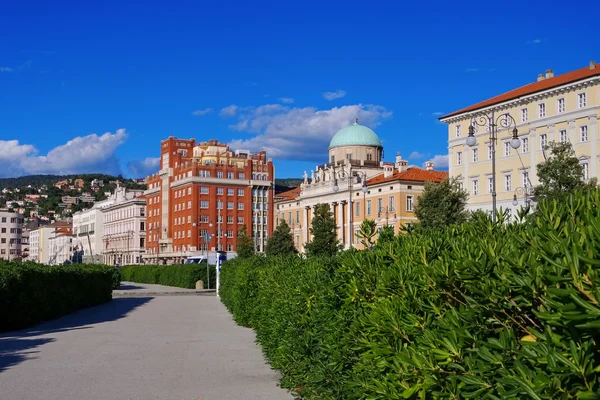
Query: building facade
{"points": [[125, 230], [554, 108], [357, 185], [203, 195], [41, 250], [11, 229], [60, 245]]}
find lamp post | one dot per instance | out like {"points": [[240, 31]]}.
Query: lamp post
{"points": [[494, 125], [363, 179], [387, 212], [526, 192]]}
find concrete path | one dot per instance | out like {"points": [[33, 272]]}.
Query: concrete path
{"points": [[139, 348], [131, 289]]}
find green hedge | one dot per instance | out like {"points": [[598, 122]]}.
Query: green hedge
{"points": [[31, 293], [178, 275], [479, 310]]}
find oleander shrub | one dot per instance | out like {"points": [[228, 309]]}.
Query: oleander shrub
{"points": [[116, 278], [31, 293], [178, 275], [478, 310]]}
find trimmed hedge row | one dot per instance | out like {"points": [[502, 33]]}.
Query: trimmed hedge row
{"points": [[178, 275], [479, 310], [31, 293]]}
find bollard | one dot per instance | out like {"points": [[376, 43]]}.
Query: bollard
{"points": [[199, 285]]}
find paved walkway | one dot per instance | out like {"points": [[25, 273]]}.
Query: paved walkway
{"points": [[138, 348], [131, 289]]}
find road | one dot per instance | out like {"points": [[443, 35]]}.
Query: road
{"points": [[138, 348]]}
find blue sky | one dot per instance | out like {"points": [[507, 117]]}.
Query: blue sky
{"points": [[94, 87]]}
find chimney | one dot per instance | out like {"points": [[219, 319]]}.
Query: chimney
{"points": [[388, 170], [540, 77], [400, 163], [549, 73], [429, 165], [592, 64]]}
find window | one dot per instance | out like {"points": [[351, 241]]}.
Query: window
{"points": [[581, 101], [297, 217], [3, 220], [203, 204], [524, 115], [189, 205], [203, 190], [204, 174], [369, 157], [391, 203], [475, 155], [220, 174], [229, 234], [230, 175], [368, 207], [489, 152], [459, 158], [357, 208], [563, 135], [332, 159], [219, 205], [543, 140], [583, 133], [240, 206], [348, 156], [457, 130], [190, 190], [508, 182], [230, 205], [219, 191], [230, 192], [525, 179], [461, 186], [561, 105], [241, 175], [142, 226], [541, 110], [189, 234], [507, 149], [409, 203], [525, 145], [490, 185], [586, 171], [240, 220], [229, 247], [240, 192], [475, 187]]}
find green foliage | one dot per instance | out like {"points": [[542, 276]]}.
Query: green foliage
{"points": [[116, 278], [323, 228], [561, 173], [177, 275], [367, 233], [31, 293], [386, 235], [281, 242], [441, 204], [245, 244], [481, 310]]}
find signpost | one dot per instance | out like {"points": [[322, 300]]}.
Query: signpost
{"points": [[207, 239]]}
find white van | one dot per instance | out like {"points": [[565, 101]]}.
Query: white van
{"points": [[196, 260]]}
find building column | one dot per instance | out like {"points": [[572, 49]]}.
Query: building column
{"points": [[533, 145], [594, 147], [306, 226], [340, 221]]}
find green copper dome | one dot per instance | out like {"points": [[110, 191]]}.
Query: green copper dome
{"points": [[355, 135]]}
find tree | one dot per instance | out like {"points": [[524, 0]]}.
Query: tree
{"points": [[442, 204], [323, 229], [245, 244], [561, 173], [386, 235], [281, 242], [367, 232]]}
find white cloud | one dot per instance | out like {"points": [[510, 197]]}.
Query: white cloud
{"points": [[198, 113], [535, 41], [229, 111], [440, 162], [472, 70], [437, 113], [338, 94], [415, 155], [286, 100], [6, 69], [143, 168], [300, 133], [91, 153]]}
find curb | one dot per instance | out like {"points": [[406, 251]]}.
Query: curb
{"points": [[206, 292]]}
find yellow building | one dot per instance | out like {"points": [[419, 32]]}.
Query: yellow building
{"points": [[554, 108], [356, 184]]}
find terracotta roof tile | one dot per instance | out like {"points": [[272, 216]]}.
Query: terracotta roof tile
{"points": [[531, 88], [411, 174], [289, 195]]}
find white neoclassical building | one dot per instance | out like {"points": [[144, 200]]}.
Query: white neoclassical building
{"points": [[125, 230], [60, 245]]}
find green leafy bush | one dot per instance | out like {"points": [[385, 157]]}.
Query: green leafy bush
{"points": [[116, 278], [31, 293], [178, 275], [477, 310]]}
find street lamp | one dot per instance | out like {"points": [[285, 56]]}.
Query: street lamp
{"points": [[494, 124], [387, 212], [362, 176], [526, 192]]}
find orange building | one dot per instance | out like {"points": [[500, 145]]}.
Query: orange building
{"points": [[206, 191]]}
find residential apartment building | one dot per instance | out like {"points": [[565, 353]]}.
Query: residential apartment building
{"points": [[11, 229], [554, 108], [41, 250], [205, 190], [357, 185], [60, 245], [125, 230]]}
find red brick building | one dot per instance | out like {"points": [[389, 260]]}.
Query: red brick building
{"points": [[206, 190]]}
